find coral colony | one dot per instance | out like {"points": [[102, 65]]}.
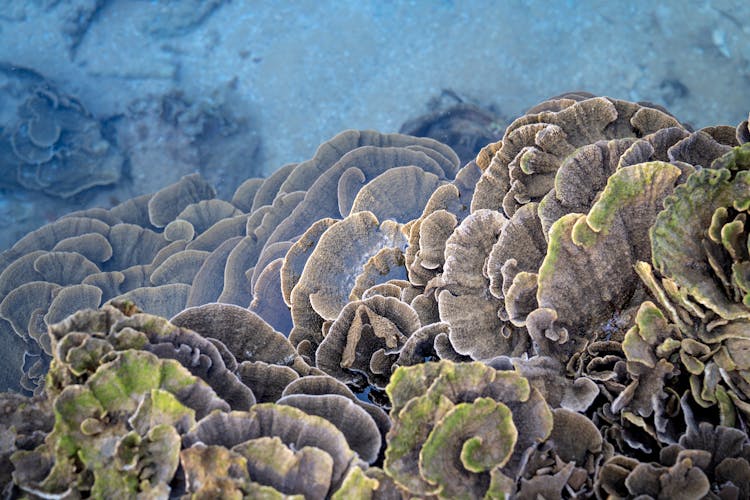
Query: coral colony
{"points": [[566, 316]]}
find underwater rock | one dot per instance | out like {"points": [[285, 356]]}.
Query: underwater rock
{"points": [[463, 126], [171, 19]]}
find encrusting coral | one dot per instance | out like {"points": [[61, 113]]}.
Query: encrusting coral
{"points": [[565, 316]]}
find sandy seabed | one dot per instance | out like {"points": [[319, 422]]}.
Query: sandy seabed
{"points": [[299, 72]]}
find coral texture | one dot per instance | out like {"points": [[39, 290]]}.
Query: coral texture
{"points": [[52, 143], [565, 316]]}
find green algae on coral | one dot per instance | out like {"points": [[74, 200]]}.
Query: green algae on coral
{"points": [[409, 431], [306, 470], [711, 353], [587, 385], [216, 472], [712, 201], [485, 430], [584, 278], [632, 186], [121, 424], [467, 424], [356, 485]]}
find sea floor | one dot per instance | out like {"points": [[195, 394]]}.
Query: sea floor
{"points": [[235, 89]]}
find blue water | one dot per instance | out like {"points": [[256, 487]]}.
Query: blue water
{"points": [[282, 77]]}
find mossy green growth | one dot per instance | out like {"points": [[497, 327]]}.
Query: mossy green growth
{"points": [[112, 483], [119, 384], [584, 250], [636, 349], [408, 382], [482, 453], [216, 472], [709, 351], [72, 407], [86, 357], [457, 427], [455, 381], [275, 456], [614, 233], [154, 456], [128, 338], [731, 238], [175, 378], [408, 432], [126, 453], [652, 335], [159, 454], [467, 381], [482, 430], [121, 427], [582, 234], [158, 445], [161, 407], [741, 279], [64, 477], [727, 413], [558, 233], [702, 231], [501, 486], [271, 462], [639, 184], [356, 485], [737, 159], [527, 161], [718, 219], [649, 318], [148, 323]]}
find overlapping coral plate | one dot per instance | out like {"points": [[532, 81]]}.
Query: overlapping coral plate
{"points": [[567, 316]]}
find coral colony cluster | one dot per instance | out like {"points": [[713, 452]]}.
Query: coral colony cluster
{"points": [[566, 316], [56, 145]]}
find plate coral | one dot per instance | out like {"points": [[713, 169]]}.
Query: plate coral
{"points": [[567, 315]]}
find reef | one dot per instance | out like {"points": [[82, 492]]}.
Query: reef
{"points": [[56, 156], [567, 315], [49, 141]]}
